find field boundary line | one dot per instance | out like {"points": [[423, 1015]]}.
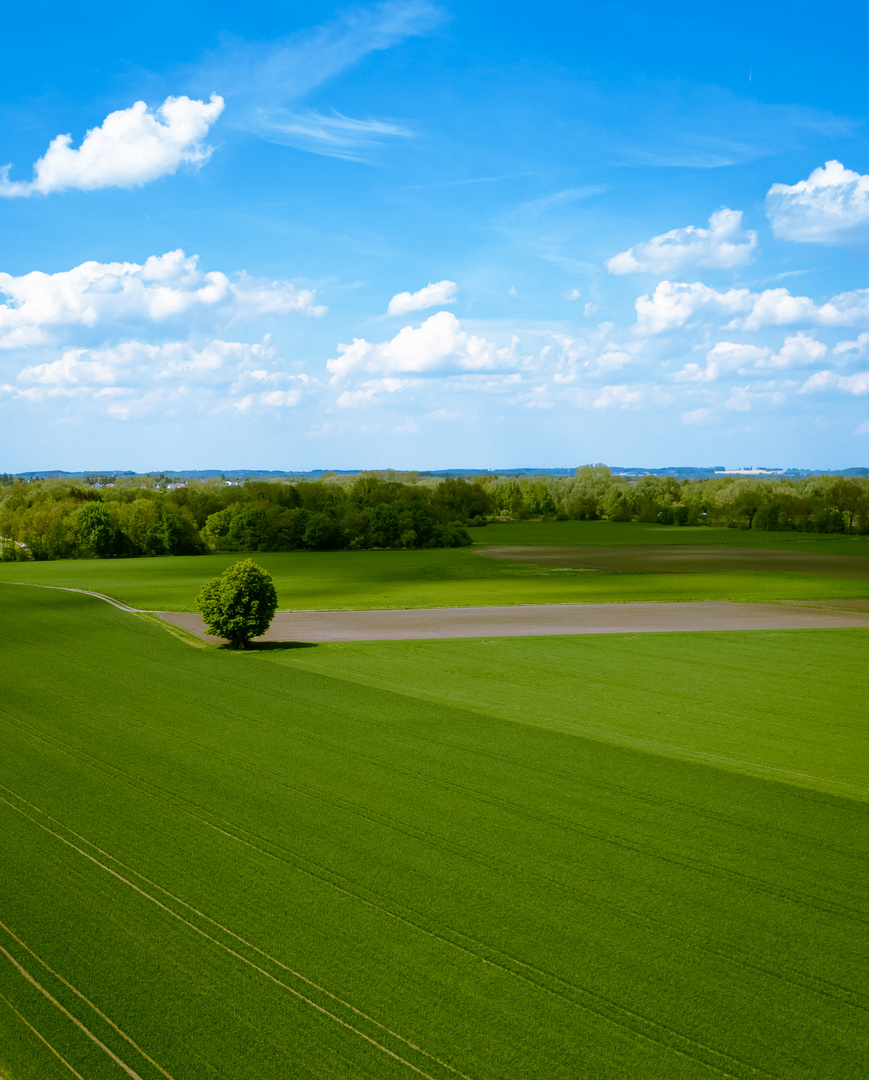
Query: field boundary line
{"points": [[85, 592], [41, 1037], [87, 1001], [145, 614], [203, 934], [23, 971]]}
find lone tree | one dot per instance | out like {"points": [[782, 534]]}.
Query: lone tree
{"points": [[238, 605]]}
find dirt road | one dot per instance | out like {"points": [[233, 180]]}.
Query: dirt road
{"points": [[536, 620]]}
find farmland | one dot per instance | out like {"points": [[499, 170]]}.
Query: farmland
{"points": [[613, 856], [616, 859], [326, 580]]}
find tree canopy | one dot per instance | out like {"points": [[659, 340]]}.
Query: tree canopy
{"points": [[50, 519], [239, 604]]}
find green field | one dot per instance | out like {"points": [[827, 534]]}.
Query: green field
{"points": [[765, 703], [633, 532], [457, 859], [461, 577]]}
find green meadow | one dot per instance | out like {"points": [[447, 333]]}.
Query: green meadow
{"points": [[324, 580], [629, 858]]}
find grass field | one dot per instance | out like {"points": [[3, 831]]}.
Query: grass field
{"points": [[764, 703], [264, 865], [460, 577], [557, 533]]}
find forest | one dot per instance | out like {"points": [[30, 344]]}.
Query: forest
{"points": [[141, 516]]}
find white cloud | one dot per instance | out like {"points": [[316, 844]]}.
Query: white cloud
{"points": [[333, 136], [695, 416], [801, 350], [270, 399], [134, 363], [618, 397], [165, 287], [673, 304], [130, 148], [433, 295], [722, 359], [135, 378], [571, 294], [727, 357], [264, 81], [723, 245], [830, 207], [739, 400], [371, 391], [859, 348], [439, 346], [826, 380]]}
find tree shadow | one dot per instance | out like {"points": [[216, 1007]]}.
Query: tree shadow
{"points": [[279, 646], [269, 646]]}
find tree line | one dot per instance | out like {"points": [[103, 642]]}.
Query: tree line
{"points": [[55, 520]]}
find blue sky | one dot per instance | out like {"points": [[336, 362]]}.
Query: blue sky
{"points": [[432, 235]]}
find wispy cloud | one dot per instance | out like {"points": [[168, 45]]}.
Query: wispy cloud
{"points": [[265, 82], [335, 136]]}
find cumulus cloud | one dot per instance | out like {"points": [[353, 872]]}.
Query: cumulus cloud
{"points": [[722, 359], [723, 245], [826, 380], [133, 378], [433, 295], [130, 148], [726, 357], [830, 207], [801, 350], [439, 346], [140, 362], [622, 396], [165, 287], [673, 304], [854, 349]]}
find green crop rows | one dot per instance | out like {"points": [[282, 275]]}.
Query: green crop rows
{"points": [[453, 859]]}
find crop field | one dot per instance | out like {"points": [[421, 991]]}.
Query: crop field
{"points": [[461, 577], [621, 859]]}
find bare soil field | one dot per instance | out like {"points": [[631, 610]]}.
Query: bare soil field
{"points": [[533, 620], [683, 559]]}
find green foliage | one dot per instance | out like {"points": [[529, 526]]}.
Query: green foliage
{"points": [[378, 510], [281, 871], [240, 604], [55, 521]]}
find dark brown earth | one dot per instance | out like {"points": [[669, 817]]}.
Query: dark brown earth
{"points": [[685, 559], [534, 620]]}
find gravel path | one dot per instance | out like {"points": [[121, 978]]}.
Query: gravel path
{"points": [[535, 620]]}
